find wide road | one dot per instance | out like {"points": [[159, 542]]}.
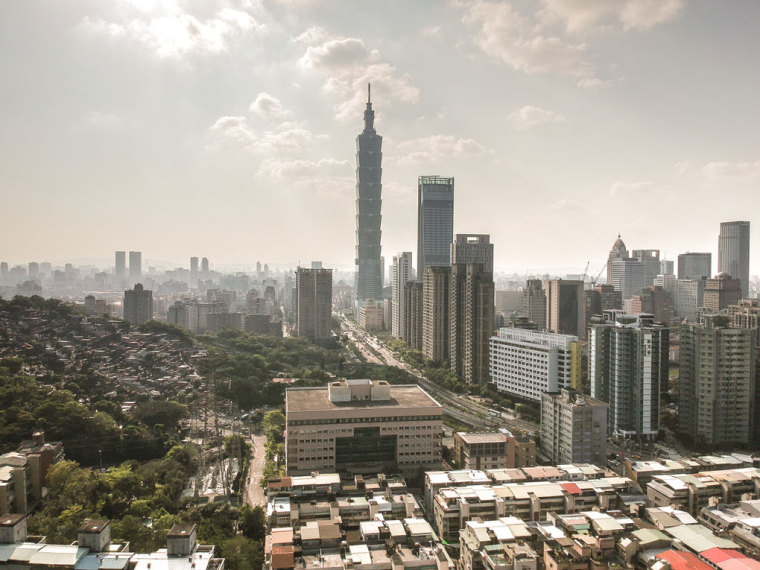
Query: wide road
{"points": [[460, 408]]}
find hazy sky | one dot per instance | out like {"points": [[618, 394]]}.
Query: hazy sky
{"points": [[226, 128]]}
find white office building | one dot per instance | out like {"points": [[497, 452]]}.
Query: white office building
{"points": [[528, 363]]}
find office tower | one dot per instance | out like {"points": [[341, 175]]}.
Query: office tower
{"points": [[733, 252], [194, 271], [435, 313], [721, 292], [371, 316], [402, 272], [651, 260], [369, 156], [533, 306], [120, 268], [688, 297], [135, 264], [34, 269], [364, 427], [655, 301], [692, 265], [204, 268], [413, 315], [382, 270], [573, 428], [471, 314], [666, 267], [628, 369], [138, 305], [527, 363], [565, 307], [473, 248], [314, 303], [717, 382], [618, 252], [628, 276], [435, 221]]}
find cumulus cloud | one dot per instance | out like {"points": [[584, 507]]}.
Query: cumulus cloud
{"points": [[545, 40], [565, 205], [170, 31], [269, 107], [347, 65], [581, 16], [624, 188], [432, 32], [530, 116], [437, 147], [732, 172]]}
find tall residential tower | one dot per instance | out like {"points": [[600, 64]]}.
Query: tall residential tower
{"points": [[367, 280]]}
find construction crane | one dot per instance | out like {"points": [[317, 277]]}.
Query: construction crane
{"points": [[598, 275], [585, 272]]}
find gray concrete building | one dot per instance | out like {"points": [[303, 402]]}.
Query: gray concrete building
{"points": [[435, 221], [138, 305], [573, 428], [694, 265], [733, 252]]}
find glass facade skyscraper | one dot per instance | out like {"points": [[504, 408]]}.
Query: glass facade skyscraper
{"points": [[367, 279], [435, 221], [733, 252]]}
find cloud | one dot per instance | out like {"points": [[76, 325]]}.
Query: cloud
{"points": [[104, 120], [531, 116], [739, 173], [437, 147], [269, 107], [545, 40], [347, 66], [582, 16], [171, 32], [324, 167], [432, 32], [630, 189], [565, 205]]}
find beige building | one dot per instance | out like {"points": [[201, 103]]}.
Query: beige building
{"points": [[412, 333], [565, 307], [362, 426], [435, 313], [371, 316], [314, 302], [480, 450], [573, 428]]}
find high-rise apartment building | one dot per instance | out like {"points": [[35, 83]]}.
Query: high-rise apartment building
{"points": [[120, 265], [655, 301], [413, 315], [473, 248], [138, 305], [733, 252], [746, 315], [717, 368], [533, 306], [435, 313], [694, 265], [666, 267], [721, 292], [651, 260], [628, 369], [527, 363], [565, 307], [314, 302], [402, 272], [573, 428], [688, 297], [135, 264], [369, 157], [471, 313], [435, 221]]}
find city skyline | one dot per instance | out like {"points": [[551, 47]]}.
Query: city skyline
{"points": [[250, 122]]}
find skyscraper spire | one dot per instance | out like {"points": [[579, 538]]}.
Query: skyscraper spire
{"points": [[369, 114]]}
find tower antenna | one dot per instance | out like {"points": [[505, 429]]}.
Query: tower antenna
{"points": [[369, 92]]}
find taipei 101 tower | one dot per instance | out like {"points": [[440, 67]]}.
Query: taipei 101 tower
{"points": [[367, 280]]}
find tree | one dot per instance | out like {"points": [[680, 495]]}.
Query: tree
{"points": [[241, 553], [253, 522]]}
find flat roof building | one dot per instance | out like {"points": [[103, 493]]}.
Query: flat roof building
{"points": [[362, 426]]}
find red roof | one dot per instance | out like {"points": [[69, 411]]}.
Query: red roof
{"points": [[683, 560], [743, 563], [571, 488], [717, 555], [283, 557]]}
